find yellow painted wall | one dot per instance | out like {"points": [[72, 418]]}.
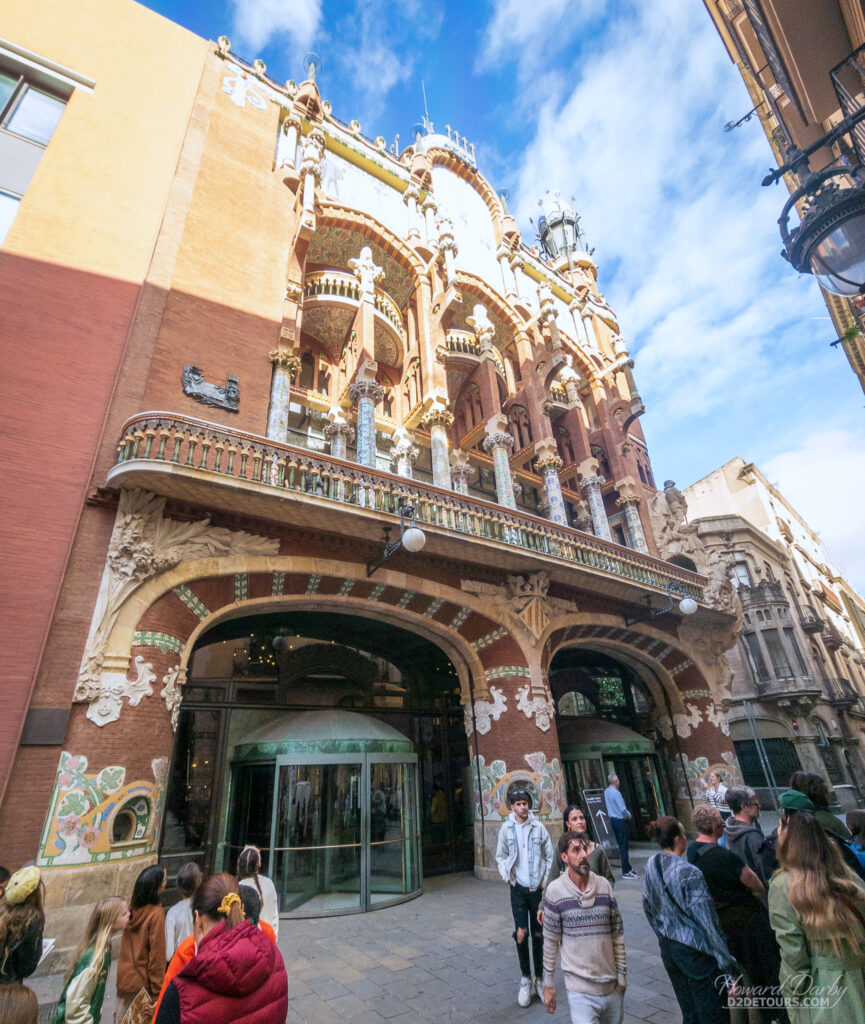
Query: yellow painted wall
{"points": [[97, 199]]}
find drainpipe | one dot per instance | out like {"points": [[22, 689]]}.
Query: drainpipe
{"points": [[477, 769], [761, 752]]}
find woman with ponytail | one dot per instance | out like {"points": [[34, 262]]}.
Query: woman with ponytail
{"points": [[84, 988], [817, 910], [248, 868], [237, 973]]}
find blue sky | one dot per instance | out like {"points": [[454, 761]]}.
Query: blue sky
{"points": [[621, 103]]}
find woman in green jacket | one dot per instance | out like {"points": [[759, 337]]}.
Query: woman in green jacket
{"points": [[817, 910]]}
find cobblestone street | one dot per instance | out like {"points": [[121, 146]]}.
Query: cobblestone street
{"points": [[447, 956]]}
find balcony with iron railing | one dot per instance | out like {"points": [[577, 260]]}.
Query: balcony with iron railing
{"points": [[206, 463], [841, 693], [765, 592], [337, 285], [810, 620]]}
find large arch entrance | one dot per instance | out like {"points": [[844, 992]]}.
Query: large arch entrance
{"points": [[606, 722], [333, 741]]}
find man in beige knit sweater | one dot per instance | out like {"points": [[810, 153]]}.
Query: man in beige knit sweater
{"points": [[582, 918]]}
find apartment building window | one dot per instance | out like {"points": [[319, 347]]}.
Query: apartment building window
{"points": [[740, 577], [777, 654], [755, 657], [33, 95]]}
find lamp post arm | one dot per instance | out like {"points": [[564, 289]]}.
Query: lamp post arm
{"points": [[801, 155]]}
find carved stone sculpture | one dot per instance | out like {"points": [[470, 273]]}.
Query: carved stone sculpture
{"points": [[203, 391]]}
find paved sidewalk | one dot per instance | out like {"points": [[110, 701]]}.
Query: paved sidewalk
{"points": [[447, 956]]}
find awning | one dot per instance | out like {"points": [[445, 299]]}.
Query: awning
{"points": [[588, 737]]}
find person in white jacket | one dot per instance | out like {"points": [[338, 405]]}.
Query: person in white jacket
{"points": [[84, 989], [248, 867], [524, 855], [178, 920]]}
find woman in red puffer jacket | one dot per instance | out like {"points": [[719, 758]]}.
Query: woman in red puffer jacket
{"points": [[237, 973]]}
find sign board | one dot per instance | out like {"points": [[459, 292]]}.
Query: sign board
{"points": [[596, 812]]}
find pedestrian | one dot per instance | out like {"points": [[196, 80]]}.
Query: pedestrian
{"points": [[18, 1004], [524, 855], [178, 920], [249, 873], [582, 920], [22, 920], [739, 898], [715, 793], [619, 816], [141, 964], [575, 821], [84, 988], [237, 973], [817, 909], [252, 910], [743, 835], [681, 912], [856, 825], [817, 790]]}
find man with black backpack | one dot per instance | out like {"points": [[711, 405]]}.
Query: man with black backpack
{"points": [[743, 835]]}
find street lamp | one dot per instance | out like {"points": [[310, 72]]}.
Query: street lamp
{"points": [[830, 239], [687, 605], [411, 537]]}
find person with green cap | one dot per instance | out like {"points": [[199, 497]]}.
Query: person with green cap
{"points": [[817, 911]]}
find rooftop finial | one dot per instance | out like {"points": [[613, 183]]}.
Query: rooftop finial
{"points": [[428, 125], [311, 65]]}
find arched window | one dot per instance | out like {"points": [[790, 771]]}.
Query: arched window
{"points": [[307, 371], [565, 446]]}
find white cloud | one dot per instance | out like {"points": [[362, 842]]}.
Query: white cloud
{"points": [[823, 478], [520, 26], [256, 23]]}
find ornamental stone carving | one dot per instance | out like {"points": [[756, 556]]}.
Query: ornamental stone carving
{"points": [[143, 544], [485, 712], [367, 272], [482, 326], [365, 387], [216, 395], [542, 709], [312, 150], [115, 687], [172, 692], [286, 361]]}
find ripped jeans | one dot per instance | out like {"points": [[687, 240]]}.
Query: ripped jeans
{"points": [[525, 905]]}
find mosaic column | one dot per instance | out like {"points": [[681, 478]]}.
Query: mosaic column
{"points": [[591, 485], [366, 394], [410, 198], [516, 263], [310, 166], [629, 500], [403, 453], [498, 443], [461, 471], [508, 277], [285, 366], [429, 208], [437, 421], [339, 434], [549, 464], [448, 246]]}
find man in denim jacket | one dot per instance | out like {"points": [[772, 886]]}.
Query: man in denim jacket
{"points": [[525, 855]]}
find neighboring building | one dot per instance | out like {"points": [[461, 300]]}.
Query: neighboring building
{"points": [[798, 689], [239, 338], [803, 68]]}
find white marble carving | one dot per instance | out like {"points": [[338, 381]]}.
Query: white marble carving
{"points": [[542, 709], [685, 722], [242, 89], [115, 686], [485, 711], [172, 692]]}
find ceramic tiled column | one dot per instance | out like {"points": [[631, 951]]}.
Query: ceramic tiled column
{"points": [[629, 500], [549, 464], [498, 444], [366, 394], [403, 453], [591, 484], [285, 366], [437, 421], [461, 471]]}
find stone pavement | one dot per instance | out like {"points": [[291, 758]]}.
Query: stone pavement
{"points": [[446, 957]]}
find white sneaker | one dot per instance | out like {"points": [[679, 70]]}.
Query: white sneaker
{"points": [[524, 996], [630, 874], [539, 988]]}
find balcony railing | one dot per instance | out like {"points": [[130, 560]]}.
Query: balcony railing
{"points": [[766, 592], [202, 451], [336, 284], [810, 621], [466, 343], [841, 693], [833, 639]]}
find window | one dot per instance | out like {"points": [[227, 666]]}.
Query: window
{"points": [[780, 753], [777, 654], [33, 96], [740, 577], [797, 651], [755, 657]]}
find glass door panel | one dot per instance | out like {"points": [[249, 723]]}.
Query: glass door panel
{"points": [[251, 809], [318, 837], [394, 868]]}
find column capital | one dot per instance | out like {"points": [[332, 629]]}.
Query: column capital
{"points": [[628, 499], [460, 465], [547, 456], [595, 480], [412, 192], [403, 446], [504, 252], [627, 488], [429, 204], [497, 439], [437, 416], [291, 121], [365, 387], [339, 428], [287, 360]]}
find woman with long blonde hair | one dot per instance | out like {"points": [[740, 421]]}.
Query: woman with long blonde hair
{"points": [[84, 989], [817, 910]]}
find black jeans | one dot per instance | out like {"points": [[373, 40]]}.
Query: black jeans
{"points": [[753, 945], [620, 831], [694, 975], [525, 904]]}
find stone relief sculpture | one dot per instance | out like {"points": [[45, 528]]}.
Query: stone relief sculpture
{"points": [[485, 711], [215, 395], [172, 692], [542, 709], [144, 543]]}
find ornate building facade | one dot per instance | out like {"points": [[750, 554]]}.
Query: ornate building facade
{"points": [[804, 69], [277, 353], [797, 698]]}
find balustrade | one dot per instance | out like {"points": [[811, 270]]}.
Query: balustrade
{"points": [[339, 285], [201, 448]]}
